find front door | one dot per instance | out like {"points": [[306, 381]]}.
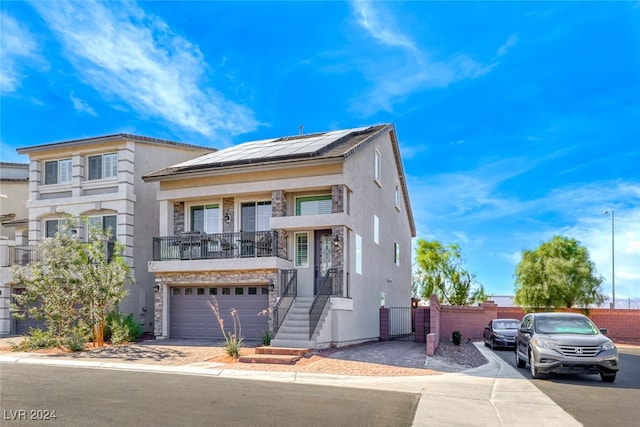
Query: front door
{"points": [[323, 256]]}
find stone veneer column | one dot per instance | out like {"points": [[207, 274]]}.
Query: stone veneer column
{"points": [[279, 209], [337, 198], [178, 217], [227, 209], [158, 306]]}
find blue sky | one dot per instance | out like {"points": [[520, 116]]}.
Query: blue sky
{"points": [[517, 121]]}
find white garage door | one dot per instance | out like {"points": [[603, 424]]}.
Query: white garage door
{"points": [[190, 315]]}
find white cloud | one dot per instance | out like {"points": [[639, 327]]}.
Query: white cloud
{"points": [[511, 42], [395, 79], [81, 106], [15, 43], [121, 51]]}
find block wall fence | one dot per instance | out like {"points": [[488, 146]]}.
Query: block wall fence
{"points": [[623, 325]]}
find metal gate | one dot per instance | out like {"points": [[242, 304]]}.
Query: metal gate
{"points": [[401, 324]]}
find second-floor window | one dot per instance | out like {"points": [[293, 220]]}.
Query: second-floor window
{"points": [[57, 171], [376, 167], [376, 229], [255, 216], [205, 218], [396, 254], [103, 166], [313, 205]]}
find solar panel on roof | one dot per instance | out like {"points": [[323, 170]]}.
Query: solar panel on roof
{"points": [[271, 148]]}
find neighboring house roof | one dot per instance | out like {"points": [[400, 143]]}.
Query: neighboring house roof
{"points": [[322, 145], [108, 138], [18, 172]]}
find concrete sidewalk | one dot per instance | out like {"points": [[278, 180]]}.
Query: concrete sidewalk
{"points": [[492, 395]]}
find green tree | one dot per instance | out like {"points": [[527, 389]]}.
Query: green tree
{"points": [[559, 273], [75, 283], [441, 271]]}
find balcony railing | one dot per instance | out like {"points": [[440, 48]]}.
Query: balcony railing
{"points": [[22, 255], [199, 245]]}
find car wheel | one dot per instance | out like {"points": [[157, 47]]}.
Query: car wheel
{"points": [[519, 362], [486, 344], [535, 374], [608, 377]]}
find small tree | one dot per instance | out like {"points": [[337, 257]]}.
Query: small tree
{"points": [[559, 273], [74, 283], [441, 272]]}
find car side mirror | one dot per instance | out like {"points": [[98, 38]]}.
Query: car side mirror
{"points": [[526, 331], [604, 331]]}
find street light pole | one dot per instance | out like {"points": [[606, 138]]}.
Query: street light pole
{"points": [[613, 260]]}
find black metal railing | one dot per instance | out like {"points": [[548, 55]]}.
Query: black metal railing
{"points": [[199, 245], [290, 280], [331, 286], [23, 254]]}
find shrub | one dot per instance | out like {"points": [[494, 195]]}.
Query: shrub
{"points": [[266, 337], [233, 341], [456, 337], [76, 338], [119, 329], [35, 339]]}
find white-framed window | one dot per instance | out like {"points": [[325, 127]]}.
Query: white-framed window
{"points": [[105, 223], [313, 205], [51, 227], [205, 217], [57, 171], [358, 251], [302, 249], [397, 196], [376, 229], [376, 167], [103, 166], [254, 216], [396, 253]]}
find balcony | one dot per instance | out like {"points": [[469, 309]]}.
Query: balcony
{"points": [[199, 245], [20, 255]]}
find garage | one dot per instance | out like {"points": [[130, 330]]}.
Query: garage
{"points": [[22, 326], [190, 315]]}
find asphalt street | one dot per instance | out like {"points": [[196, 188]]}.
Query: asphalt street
{"points": [[30, 394], [587, 398]]}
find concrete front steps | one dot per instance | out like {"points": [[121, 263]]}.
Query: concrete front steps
{"points": [[275, 355], [294, 331]]}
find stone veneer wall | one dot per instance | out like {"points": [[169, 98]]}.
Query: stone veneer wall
{"points": [[230, 278], [279, 209], [227, 209], [178, 218], [337, 206]]}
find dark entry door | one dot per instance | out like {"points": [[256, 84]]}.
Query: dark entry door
{"points": [[323, 256]]}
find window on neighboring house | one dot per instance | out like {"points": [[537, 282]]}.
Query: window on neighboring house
{"points": [[376, 229], [105, 223], [255, 216], [313, 205], [376, 166], [205, 218], [103, 166], [52, 226], [57, 171], [396, 254], [397, 196], [302, 249], [358, 254]]}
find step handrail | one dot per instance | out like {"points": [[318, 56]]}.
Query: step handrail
{"points": [[321, 298]]}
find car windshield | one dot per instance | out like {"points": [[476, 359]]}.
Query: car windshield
{"points": [[565, 325], [506, 324]]}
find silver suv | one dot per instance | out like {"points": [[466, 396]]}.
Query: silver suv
{"points": [[565, 343]]}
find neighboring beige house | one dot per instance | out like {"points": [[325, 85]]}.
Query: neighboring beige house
{"points": [[99, 179], [14, 191], [304, 236]]}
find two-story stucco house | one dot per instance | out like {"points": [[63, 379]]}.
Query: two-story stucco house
{"points": [[100, 180], [304, 236]]}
